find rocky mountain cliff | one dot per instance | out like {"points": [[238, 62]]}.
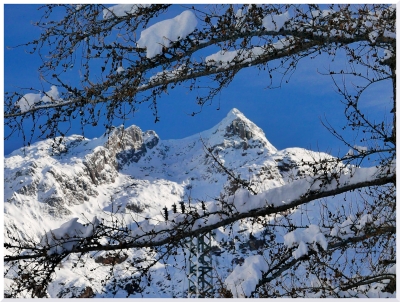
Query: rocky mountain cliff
{"points": [[136, 172]]}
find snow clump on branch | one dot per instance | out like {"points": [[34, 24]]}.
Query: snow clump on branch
{"points": [[68, 235], [29, 100], [244, 278], [275, 22], [164, 32], [303, 238]]}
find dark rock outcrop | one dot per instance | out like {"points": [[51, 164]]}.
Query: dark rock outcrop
{"points": [[75, 292], [87, 293], [129, 145], [101, 166], [111, 259], [150, 139], [239, 128], [122, 139], [132, 287], [59, 189]]}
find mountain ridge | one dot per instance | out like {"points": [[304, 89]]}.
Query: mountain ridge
{"points": [[75, 173]]}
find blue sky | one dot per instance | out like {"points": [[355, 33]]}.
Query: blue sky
{"points": [[290, 116]]}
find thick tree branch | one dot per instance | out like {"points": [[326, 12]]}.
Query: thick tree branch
{"points": [[315, 43], [181, 231]]}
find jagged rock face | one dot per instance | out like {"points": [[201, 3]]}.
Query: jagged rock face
{"points": [[239, 128], [101, 166], [130, 144], [124, 139], [131, 155], [122, 147], [238, 132], [295, 163], [25, 180], [70, 190], [57, 188], [150, 139]]}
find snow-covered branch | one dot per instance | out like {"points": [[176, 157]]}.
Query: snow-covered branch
{"points": [[242, 285], [286, 35]]}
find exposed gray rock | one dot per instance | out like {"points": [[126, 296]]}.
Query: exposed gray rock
{"points": [[76, 190], [87, 293], [56, 189], [266, 173], [124, 139], [129, 145], [239, 128], [136, 208], [285, 164], [26, 171], [101, 166], [150, 139], [26, 181], [29, 189], [111, 259], [57, 207], [129, 156], [75, 292]]}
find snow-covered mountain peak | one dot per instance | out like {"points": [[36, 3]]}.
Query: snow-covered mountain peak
{"points": [[235, 113], [237, 131]]}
